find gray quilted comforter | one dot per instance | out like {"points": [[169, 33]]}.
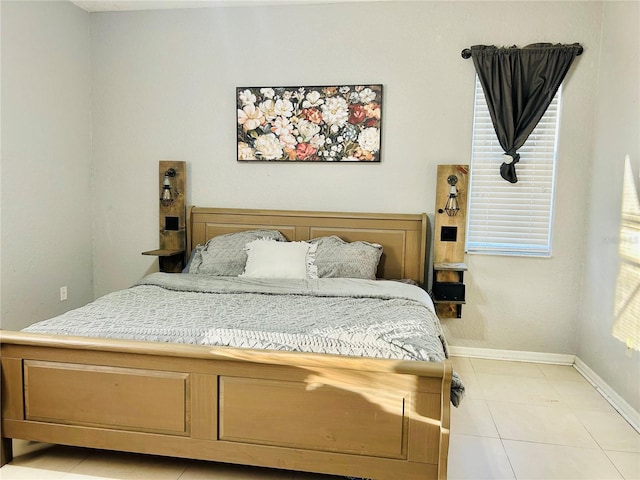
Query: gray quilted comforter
{"points": [[370, 318]]}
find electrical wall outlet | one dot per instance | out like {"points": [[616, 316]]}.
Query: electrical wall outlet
{"points": [[63, 293]]}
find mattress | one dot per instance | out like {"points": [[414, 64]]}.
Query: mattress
{"points": [[353, 317]]}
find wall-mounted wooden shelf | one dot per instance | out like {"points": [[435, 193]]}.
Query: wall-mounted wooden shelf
{"points": [[172, 219], [170, 261], [160, 252], [448, 290]]}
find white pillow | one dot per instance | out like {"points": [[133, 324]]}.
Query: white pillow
{"points": [[270, 259]]}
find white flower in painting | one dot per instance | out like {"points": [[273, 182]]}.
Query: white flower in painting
{"points": [[268, 147], [317, 141], [307, 129], [282, 126], [345, 89], [283, 107], [335, 111], [299, 95], [313, 99], [267, 92], [369, 139], [245, 152], [287, 140], [286, 95], [268, 107], [247, 97], [367, 95], [250, 117]]}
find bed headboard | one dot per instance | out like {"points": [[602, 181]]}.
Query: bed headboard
{"points": [[402, 236]]}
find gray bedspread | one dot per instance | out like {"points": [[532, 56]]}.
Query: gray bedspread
{"points": [[371, 318]]}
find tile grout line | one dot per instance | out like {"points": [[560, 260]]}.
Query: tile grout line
{"points": [[549, 381], [582, 371], [504, 448], [618, 403]]}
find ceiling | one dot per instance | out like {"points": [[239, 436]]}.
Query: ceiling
{"points": [[124, 5]]}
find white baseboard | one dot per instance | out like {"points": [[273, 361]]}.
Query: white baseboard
{"points": [[620, 404], [616, 401], [513, 355]]}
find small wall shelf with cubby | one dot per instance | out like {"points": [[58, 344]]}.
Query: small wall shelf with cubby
{"points": [[448, 290]]}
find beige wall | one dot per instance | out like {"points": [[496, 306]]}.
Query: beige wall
{"points": [[617, 135], [46, 161], [164, 87]]}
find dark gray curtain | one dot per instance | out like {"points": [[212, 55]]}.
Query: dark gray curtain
{"points": [[519, 84]]}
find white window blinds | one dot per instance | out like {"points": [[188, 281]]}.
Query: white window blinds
{"points": [[511, 218]]}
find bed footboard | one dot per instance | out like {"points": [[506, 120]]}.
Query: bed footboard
{"points": [[376, 418]]}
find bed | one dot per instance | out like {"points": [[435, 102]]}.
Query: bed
{"points": [[263, 405]]}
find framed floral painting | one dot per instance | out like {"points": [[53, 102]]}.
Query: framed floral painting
{"points": [[309, 124]]}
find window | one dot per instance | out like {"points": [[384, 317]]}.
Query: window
{"points": [[512, 218]]}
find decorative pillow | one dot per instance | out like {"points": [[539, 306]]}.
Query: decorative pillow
{"points": [[225, 255], [271, 259], [336, 258], [194, 252]]}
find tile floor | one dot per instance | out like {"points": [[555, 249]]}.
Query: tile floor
{"points": [[518, 421]]}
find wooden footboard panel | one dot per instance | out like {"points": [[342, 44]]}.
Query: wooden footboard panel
{"points": [[374, 418]]}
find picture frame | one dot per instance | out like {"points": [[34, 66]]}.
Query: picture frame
{"points": [[335, 124]]}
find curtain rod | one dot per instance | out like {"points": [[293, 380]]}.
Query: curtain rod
{"points": [[466, 53]]}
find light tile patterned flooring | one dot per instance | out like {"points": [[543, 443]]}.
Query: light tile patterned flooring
{"points": [[517, 421]]}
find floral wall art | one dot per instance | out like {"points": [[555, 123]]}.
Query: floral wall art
{"points": [[309, 124]]}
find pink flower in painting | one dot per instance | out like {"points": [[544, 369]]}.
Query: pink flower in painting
{"points": [[356, 114], [313, 115], [373, 110], [304, 151]]}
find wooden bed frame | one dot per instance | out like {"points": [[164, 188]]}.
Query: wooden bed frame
{"points": [[364, 417]]}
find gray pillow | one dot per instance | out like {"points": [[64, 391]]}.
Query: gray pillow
{"points": [[225, 255], [336, 258]]}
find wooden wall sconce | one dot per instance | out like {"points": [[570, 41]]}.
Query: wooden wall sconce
{"points": [[448, 290], [172, 219]]}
